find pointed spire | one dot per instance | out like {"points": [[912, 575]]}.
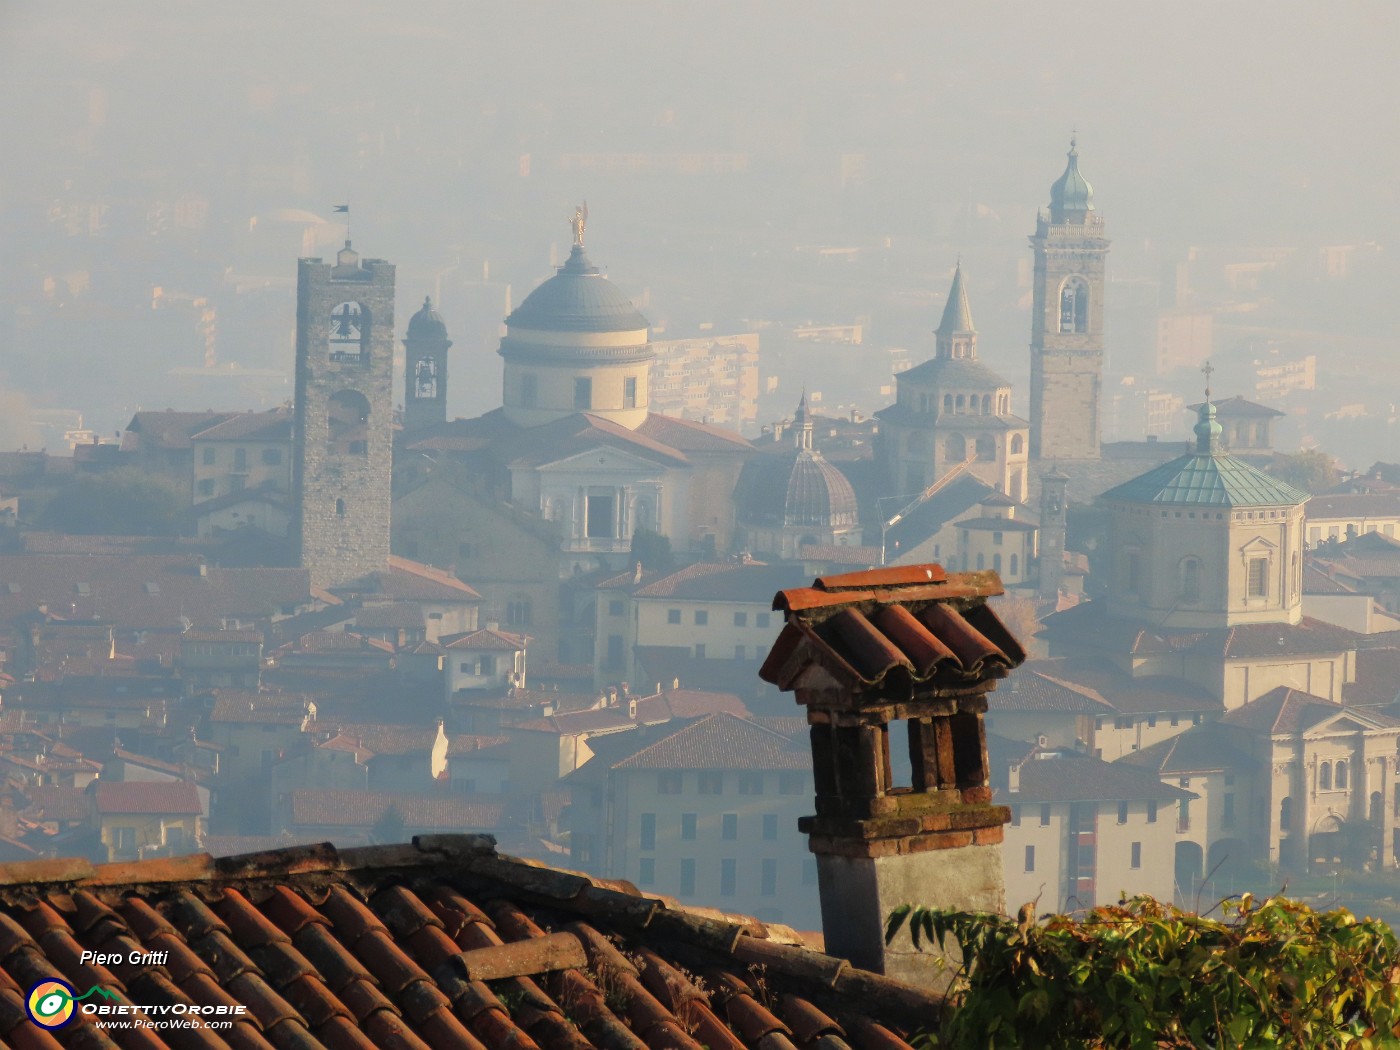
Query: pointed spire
{"points": [[957, 313]]}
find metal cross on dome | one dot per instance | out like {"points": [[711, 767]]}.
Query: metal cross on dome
{"points": [[1207, 370]]}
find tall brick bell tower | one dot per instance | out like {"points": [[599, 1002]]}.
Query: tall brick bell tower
{"points": [[344, 410], [864, 652], [1071, 253]]}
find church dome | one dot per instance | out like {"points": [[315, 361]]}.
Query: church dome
{"points": [[427, 323], [796, 488], [955, 374], [1071, 191], [577, 299]]}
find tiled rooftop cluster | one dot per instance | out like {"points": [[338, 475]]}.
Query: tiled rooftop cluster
{"points": [[438, 945]]}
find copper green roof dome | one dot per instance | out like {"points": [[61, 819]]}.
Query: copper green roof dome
{"points": [[1071, 192], [427, 323], [578, 299], [1208, 477]]}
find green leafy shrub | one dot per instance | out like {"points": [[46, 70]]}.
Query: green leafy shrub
{"points": [[1142, 974]]}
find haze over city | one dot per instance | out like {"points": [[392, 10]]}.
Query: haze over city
{"points": [[666, 486]]}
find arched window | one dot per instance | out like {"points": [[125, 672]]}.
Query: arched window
{"points": [[1340, 776], [996, 563], [349, 329], [1285, 814], [947, 402], [986, 404], [986, 447], [957, 448], [1013, 565], [961, 402], [1190, 580], [425, 379], [529, 391], [1074, 305], [981, 561], [1324, 777], [1377, 811], [347, 423], [1018, 444], [340, 508]]}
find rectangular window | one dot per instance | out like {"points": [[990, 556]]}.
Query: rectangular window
{"points": [[711, 783], [1183, 815], [1045, 815], [1122, 813], [1015, 816], [1227, 815], [702, 618], [668, 782], [175, 838], [240, 459], [750, 783], [791, 783], [208, 456], [761, 619], [687, 825], [729, 826], [1151, 721], [770, 826], [629, 392], [1136, 860], [673, 616], [613, 661], [741, 619], [600, 523], [728, 876], [646, 872], [700, 650], [648, 831], [1258, 577], [1152, 811], [687, 876], [996, 538], [583, 394], [206, 486], [1030, 858], [739, 652], [768, 883]]}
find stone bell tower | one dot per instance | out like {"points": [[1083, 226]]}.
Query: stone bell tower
{"points": [[916, 651], [342, 440], [425, 349], [1071, 253]]}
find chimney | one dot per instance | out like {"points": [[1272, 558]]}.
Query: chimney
{"points": [[937, 842], [637, 573], [632, 708]]}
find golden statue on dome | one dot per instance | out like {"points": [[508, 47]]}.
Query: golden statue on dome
{"points": [[579, 222]]}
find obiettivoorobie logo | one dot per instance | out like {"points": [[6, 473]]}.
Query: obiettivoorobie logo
{"points": [[53, 1003]]}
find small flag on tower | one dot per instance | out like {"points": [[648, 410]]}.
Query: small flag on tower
{"points": [[345, 208]]}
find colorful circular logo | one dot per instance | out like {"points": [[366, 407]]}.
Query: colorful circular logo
{"points": [[50, 1004]]}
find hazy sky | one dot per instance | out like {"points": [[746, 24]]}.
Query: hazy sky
{"points": [[1199, 123]]}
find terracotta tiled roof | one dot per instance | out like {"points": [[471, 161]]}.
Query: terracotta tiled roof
{"points": [[1317, 580], [168, 430], [1285, 710], [408, 580], [914, 620], [55, 803], [275, 425], [379, 738], [1201, 749], [439, 945], [1377, 678], [733, 581], [334, 642], [1341, 505], [261, 708], [1031, 688], [486, 638], [660, 707], [462, 744], [691, 436], [721, 742], [357, 809], [147, 796], [1069, 776], [835, 554], [564, 438]]}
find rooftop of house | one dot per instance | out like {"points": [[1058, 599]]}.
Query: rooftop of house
{"points": [[1069, 776], [441, 943], [408, 580], [146, 797], [1287, 711], [1201, 749]]}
